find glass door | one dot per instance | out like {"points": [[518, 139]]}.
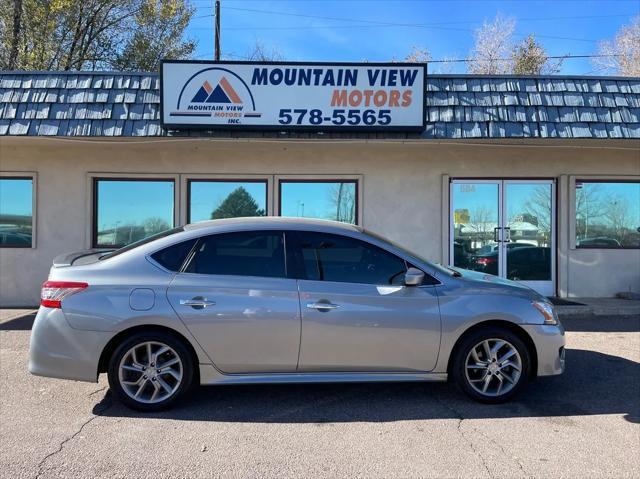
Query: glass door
{"points": [[475, 220], [528, 233], [505, 228]]}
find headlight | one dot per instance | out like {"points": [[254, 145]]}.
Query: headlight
{"points": [[546, 309]]}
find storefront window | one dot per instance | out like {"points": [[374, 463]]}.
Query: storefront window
{"points": [[16, 212], [216, 199], [607, 214], [130, 210], [330, 200]]}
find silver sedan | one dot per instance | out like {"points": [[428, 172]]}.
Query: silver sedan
{"points": [[280, 300]]}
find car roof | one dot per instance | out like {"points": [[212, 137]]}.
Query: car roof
{"points": [[275, 222]]}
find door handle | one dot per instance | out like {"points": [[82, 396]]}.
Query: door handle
{"points": [[321, 306], [197, 302], [496, 236], [507, 231]]}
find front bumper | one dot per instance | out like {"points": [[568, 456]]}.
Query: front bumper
{"points": [[59, 351], [550, 343]]}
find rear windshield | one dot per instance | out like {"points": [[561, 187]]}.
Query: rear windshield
{"points": [[143, 241]]}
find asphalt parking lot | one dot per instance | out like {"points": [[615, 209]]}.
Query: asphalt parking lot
{"points": [[582, 424]]}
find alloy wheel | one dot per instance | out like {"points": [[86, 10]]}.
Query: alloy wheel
{"points": [[150, 372], [493, 367]]}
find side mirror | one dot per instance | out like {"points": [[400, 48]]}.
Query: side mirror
{"points": [[413, 277]]}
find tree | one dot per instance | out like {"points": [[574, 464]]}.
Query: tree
{"points": [[261, 53], [90, 34], [155, 225], [623, 52], [482, 223], [493, 46], [159, 34], [530, 58], [342, 197], [538, 206], [238, 203], [496, 53], [418, 55]]}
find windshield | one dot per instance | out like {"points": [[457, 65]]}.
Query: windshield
{"points": [[436, 266], [143, 241]]}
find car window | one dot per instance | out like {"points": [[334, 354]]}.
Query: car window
{"points": [[327, 257], [143, 241], [247, 253], [173, 256]]}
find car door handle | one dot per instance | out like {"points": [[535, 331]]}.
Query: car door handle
{"points": [[320, 305], [197, 303]]}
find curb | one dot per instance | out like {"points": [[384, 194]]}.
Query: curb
{"points": [[569, 311]]}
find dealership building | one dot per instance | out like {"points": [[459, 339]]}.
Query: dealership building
{"points": [[535, 179]]}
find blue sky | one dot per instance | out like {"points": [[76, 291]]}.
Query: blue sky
{"points": [[355, 30], [16, 197]]}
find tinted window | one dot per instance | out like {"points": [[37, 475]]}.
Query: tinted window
{"points": [[127, 211], [327, 257], [243, 254], [215, 199], [141, 242], [173, 257], [16, 215], [328, 200], [607, 214]]}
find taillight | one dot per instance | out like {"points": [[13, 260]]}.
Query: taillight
{"points": [[485, 261], [53, 292]]}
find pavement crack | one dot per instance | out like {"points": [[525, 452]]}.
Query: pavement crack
{"points": [[505, 453], [66, 440], [97, 391]]}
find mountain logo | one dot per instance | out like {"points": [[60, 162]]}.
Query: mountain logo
{"points": [[222, 93]]}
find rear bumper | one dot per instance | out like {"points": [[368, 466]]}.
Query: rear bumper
{"points": [[550, 343], [59, 351]]}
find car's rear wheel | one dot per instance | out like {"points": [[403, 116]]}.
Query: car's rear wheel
{"points": [[491, 365], [150, 371]]}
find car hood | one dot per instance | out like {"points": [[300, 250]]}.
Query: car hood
{"points": [[490, 281]]}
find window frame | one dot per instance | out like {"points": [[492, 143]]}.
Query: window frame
{"points": [[33, 176], [356, 179], [573, 220], [273, 232], [223, 179], [95, 179]]}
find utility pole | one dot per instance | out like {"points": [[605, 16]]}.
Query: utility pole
{"points": [[217, 31]]}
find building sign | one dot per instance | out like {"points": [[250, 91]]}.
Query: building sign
{"points": [[317, 96]]}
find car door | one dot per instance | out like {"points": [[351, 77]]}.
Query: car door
{"points": [[234, 296], [357, 315]]}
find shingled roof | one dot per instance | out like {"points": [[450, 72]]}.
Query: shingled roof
{"points": [[458, 106]]}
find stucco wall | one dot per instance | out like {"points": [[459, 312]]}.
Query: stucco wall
{"points": [[402, 190]]}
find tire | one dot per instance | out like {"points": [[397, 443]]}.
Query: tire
{"points": [[134, 377], [471, 380]]}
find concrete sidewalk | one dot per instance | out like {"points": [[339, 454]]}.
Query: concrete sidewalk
{"points": [[599, 307]]}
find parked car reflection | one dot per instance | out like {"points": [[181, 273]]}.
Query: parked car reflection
{"points": [[529, 263]]}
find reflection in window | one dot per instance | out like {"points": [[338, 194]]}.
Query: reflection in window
{"points": [[607, 214], [327, 257], [329, 200], [212, 200], [16, 212], [130, 210]]}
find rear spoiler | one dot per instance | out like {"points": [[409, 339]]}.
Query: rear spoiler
{"points": [[68, 259]]}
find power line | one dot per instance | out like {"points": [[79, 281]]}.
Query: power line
{"points": [[435, 26]]}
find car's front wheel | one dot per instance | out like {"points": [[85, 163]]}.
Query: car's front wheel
{"points": [[150, 370], [491, 365]]}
